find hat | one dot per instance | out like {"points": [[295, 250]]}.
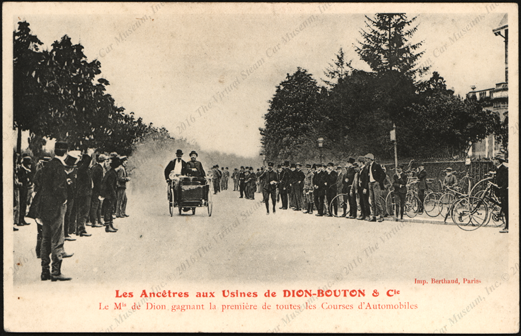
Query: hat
{"points": [[293, 165], [279, 166], [299, 164], [179, 152], [191, 153], [369, 156], [70, 161], [270, 164], [339, 167], [355, 164], [251, 168], [331, 164], [26, 159], [61, 145], [318, 165], [500, 157], [351, 160], [286, 163], [86, 158], [115, 163], [46, 158], [122, 158], [242, 167], [113, 154], [308, 165], [448, 169], [101, 158], [314, 166], [226, 167]]}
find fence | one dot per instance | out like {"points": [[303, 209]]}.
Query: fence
{"points": [[436, 170]]}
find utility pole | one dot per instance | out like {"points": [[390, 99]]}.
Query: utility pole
{"points": [[393, 139]]}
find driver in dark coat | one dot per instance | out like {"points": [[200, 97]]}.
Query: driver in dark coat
{"points": [[194, 167]]}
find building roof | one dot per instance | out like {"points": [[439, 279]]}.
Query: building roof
{"points": [[502, 25]]}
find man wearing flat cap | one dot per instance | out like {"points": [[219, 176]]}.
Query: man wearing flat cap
{"points": [[53, 205], [450, 180], [173, 170]]}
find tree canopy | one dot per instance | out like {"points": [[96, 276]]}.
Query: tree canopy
{"points": [[355, 110], [59, 94]]}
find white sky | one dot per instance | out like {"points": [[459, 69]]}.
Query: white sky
{"points": [[167, 68]]}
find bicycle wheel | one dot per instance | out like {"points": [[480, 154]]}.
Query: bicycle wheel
{"points": [[390, 204], [445, 202], [340, 200], [210, 204], [469, 213], [170, 202], [412, 204], [480, 186], [495, 215], [430, 204]]}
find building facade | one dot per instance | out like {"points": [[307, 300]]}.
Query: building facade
{"points": [[495, 99]]}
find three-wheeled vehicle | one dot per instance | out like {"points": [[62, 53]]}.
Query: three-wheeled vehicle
{"points": [[188, 193]]}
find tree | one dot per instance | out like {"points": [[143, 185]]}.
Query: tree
{"points": [[26, 88], [291, 115], [338, 70], [446, 124], [386, 46]]}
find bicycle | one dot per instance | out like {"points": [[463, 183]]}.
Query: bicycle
{"points": [[430, 203], [495, 212], [453, 194]]}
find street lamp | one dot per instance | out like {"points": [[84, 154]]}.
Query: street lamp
{"points": [[263, 159], [320, 145]]}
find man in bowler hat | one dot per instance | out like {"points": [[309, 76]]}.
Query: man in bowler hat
{"points": [[175, 168]]}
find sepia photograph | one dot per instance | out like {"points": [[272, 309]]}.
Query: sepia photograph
{"points": [[260, 167]]}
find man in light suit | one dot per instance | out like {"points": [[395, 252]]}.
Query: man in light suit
{"points": [[175, 168]]}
